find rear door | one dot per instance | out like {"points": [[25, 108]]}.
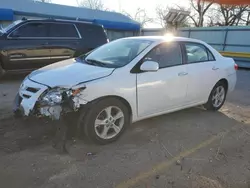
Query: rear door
{"points": [[64, 41], [202, 75], [27, 46]]}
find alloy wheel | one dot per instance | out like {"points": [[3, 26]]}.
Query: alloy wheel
{"points": [[109, 122], [218, 96]]}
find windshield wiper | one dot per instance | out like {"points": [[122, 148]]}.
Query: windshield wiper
{"points": [[96, 62]]}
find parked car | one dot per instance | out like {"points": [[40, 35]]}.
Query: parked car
{"points": [[30, 44], [128, 80]]}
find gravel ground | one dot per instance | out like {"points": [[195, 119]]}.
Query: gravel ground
{"points": [[190, 148]]}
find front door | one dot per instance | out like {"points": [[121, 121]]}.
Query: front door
{"points": [[28, 46], [165, 89]]}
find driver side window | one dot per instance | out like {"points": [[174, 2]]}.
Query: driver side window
{"points": [[34, 30], [167, 55]]}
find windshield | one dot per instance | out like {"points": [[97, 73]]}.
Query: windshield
{"points": [[117, 53], [7, 28]]}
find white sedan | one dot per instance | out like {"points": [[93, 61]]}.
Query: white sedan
{"points": [[128, 80]]}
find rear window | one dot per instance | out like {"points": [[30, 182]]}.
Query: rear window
{"points": [[62, 30]]}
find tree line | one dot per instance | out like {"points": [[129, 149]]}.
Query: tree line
{"points": [[202, 13]]}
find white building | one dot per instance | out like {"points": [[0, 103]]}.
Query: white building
{"points": [[116, 24]]}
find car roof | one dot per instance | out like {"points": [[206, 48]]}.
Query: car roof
{"points": [[164, 38]]}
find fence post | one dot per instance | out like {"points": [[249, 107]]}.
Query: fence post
{"points": [[225, 39]]}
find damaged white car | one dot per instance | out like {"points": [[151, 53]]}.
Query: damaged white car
{"points": [[128, 80]]}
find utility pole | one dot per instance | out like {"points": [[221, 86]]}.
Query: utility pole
{"points": [[119, 4]]}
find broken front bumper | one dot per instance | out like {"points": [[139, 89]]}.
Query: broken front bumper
{"points": [[27, 102], [27, 96], [19, 110]]}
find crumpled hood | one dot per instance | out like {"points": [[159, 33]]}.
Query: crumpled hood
{"points": [[68, 73]]}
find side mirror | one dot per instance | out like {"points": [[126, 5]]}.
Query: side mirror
{"points": [[150, 66]]}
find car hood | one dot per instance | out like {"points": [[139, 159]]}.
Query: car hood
{"points": [[68, 73]]}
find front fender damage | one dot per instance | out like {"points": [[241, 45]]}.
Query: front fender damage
{"points": [[68, 105]]}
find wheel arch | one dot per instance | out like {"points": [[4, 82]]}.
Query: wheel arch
{"points": [[208, 105], [123, 100], [224, 81]]}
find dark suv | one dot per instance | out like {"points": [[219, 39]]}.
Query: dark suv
{"points": [[29, 44]]}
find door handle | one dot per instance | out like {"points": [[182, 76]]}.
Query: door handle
{"points": [[182, 74], [215, 68]]}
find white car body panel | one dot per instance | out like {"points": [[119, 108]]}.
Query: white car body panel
{"points": [[148, 94], [162, 91], [201, 80], [68, 73]]}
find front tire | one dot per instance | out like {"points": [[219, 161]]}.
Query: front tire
{"points": [[105, 121], [217, 97]]}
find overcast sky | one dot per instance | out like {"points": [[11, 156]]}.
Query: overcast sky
{"points": [[131, 6]]}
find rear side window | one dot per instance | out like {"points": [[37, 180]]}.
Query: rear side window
{"points": [[197, 53], [37, 30], [94, 34], [210, 56], [167, 55], [61, 30]]}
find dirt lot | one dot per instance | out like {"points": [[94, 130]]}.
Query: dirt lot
{"points": [[190, 148]]}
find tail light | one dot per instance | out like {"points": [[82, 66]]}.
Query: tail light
{"points": [[236, 67]]}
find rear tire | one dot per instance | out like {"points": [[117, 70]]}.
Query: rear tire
{"points": [[217, 97], [105, 121]]}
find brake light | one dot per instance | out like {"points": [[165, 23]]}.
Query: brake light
{"points": [[236, 67]]}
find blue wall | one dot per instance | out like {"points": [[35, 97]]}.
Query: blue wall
{"points": [[6, 14]]}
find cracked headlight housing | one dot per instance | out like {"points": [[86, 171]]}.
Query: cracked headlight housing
{"points": [[54, 96], [58, 95]]}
